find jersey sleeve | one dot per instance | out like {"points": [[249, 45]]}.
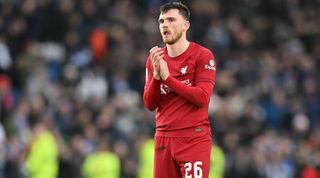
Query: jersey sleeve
{"points": [[205, 74], [151, 94], [206, 68]]}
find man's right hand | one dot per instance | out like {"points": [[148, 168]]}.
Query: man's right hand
{"points": [[156, 54]]}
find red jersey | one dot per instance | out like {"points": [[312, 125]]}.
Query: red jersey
{"points": [[182, 100]]}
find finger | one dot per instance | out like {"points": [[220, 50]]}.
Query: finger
{"points": [[160, 57], [155, 53], [163, 64], [152, 52], [156, 50], [162, 61], [156, 62], [153, 48], [157, 56]]}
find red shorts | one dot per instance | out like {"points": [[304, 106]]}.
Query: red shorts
{"points": [[183, 157]]}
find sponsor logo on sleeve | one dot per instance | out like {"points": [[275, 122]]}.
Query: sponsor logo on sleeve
{"points": [[211, 66]]}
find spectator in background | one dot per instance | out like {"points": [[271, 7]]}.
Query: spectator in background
{"points": [[42, 156], [146, 156], [103, 163], [218, 162]]}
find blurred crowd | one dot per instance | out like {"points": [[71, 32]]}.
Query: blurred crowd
{"points": [[77, 67]]}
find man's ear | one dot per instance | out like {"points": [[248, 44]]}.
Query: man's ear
{"points": [[186, 25]]}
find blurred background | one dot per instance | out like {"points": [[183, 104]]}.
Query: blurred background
{"points": [[72, 74]]}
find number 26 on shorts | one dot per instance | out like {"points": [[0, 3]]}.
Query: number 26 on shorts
{"points": [[197, 170]]}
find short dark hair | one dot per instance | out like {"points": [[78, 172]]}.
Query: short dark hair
{"points": [[183, 9]]}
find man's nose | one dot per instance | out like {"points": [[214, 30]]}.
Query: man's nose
{"points": [[164, 24]]}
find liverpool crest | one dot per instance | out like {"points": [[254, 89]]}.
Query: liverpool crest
{"points": [[184, 70]]}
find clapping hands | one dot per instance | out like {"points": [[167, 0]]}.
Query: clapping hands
{"points": [[160, 66]]}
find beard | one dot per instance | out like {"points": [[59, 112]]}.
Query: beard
{"points": [[172, 40]]}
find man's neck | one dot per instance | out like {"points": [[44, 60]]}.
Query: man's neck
{"points": [[178, 48]]}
